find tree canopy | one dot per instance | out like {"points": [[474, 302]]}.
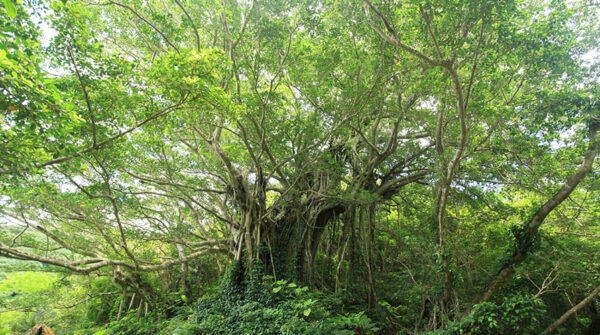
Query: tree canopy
{"points": [[435, 160]]}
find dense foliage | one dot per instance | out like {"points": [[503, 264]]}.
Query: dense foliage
{"points": [[299, 166]]}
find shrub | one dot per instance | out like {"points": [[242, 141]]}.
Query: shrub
{"points": [[516, 315], [261, 306]]}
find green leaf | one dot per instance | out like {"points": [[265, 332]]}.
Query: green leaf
{"points": [[11, 10], [306, 312], [56, 96]]}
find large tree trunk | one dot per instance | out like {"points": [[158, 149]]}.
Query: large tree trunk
{"points": [[295, 241]]}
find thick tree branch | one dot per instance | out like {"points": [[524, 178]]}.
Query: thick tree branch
{"points": [[392, 38], [572, 311], [530, 227], [191, 22], [99, 145], [147, 22]]}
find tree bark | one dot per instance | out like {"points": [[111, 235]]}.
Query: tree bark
{"points": [[184, 270], [343, 245], [372, 297], [131, 302], [121, 303]]}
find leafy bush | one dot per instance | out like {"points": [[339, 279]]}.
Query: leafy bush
{"points": [[516, 315], [261, 306], [152, 325]]}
